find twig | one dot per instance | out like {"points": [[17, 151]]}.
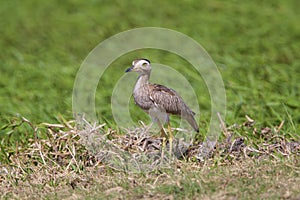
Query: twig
{"points": [[279, 127], [227, 135], [249, 119]]}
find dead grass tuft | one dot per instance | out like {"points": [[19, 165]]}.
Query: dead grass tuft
{"points": [[70, 158]]}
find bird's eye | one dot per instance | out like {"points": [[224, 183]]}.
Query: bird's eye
{"points": [[144, 64]]}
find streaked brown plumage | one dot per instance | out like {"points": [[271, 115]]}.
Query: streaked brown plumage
{"points": [[158, 98]]}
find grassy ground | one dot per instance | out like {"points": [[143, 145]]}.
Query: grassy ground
{"points": [[255, 45], [62, 166]]}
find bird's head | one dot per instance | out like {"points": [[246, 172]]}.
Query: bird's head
{"points": [[142, 66]]}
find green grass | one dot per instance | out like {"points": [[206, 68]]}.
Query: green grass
{"points": [[255, 45]]}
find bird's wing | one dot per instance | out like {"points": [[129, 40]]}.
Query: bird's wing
{"points": [[166, 98]]}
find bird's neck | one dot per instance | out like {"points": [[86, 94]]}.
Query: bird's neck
{"points": [[143, 79]]}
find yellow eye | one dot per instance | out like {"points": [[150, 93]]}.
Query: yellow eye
{"points": [[144, 64]]}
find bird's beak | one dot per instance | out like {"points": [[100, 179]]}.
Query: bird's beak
{"points": [[129, 69]]}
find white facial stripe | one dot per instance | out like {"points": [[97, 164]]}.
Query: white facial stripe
{"points": [[140, 62]]}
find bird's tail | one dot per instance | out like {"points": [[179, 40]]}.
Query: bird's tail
{"points": [[190, 118]]}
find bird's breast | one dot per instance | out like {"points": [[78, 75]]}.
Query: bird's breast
{"points": [[142, 99]]}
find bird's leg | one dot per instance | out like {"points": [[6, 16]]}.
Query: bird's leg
{"points": [[164, 136], [160, 125], [170, 138], [163, 148], [163, 133]]}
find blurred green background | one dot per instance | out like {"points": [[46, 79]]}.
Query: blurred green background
{"points": [[255, 45]]}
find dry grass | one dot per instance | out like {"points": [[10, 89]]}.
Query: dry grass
{"points": [[95, 161]]}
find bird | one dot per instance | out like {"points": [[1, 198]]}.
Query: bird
{"points": [[159, 101]]}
